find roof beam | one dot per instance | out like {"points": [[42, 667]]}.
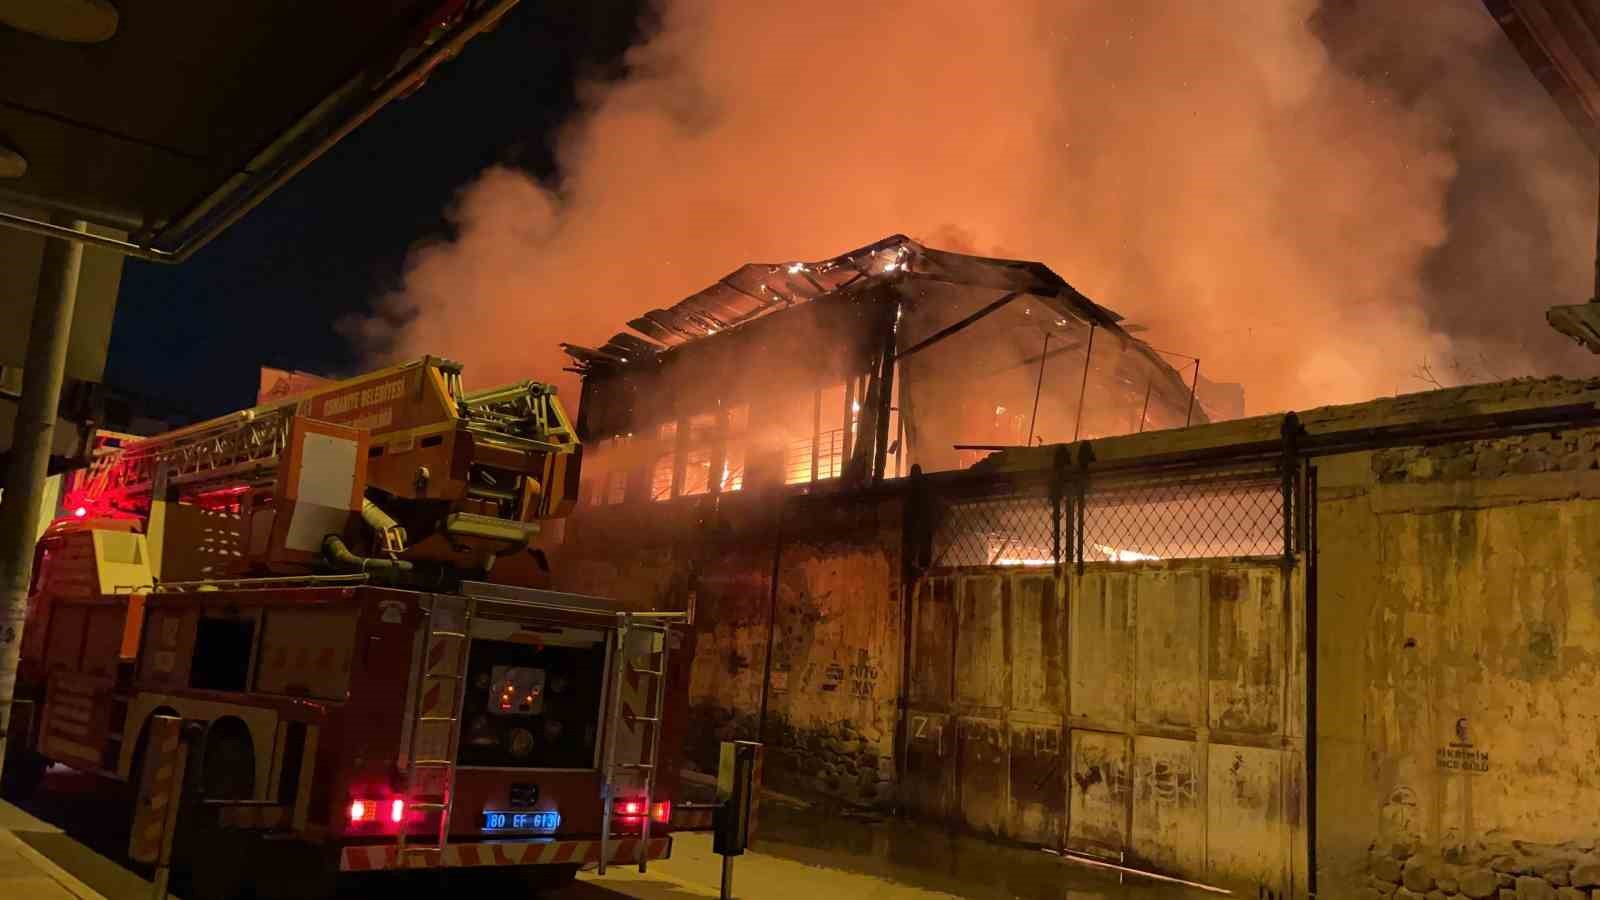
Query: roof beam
{"points": [[943, 333]]}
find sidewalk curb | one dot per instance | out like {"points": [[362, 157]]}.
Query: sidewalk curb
{"points": [[47, 866]]}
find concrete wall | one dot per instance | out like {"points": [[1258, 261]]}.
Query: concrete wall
{"points": [[835, 645], [1459, 649], [1458, 615], [836, 659]]}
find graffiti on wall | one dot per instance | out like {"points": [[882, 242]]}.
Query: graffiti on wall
{"points": [[864, 676], [832, 677], [859, 679]]}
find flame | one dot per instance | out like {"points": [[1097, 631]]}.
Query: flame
{"points": [[1023, 561], [1117, 555]]}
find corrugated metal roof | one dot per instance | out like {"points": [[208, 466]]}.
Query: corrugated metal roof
{"points": [[757, 289]]}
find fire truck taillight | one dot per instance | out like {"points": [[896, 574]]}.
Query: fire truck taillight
{"points": [[363, 811], [397, 811], [633, 810]]}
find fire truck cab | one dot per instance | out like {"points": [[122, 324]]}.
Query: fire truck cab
{"points": [[498, 732]]}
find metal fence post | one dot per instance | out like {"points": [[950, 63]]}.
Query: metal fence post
{"points": [[1058, 490], [1290, 462], [1085, 456]]}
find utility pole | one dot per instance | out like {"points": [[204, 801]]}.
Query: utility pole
{"points": [[42, 374]]}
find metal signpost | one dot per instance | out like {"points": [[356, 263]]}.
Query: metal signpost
{"points": [[738, 775]]}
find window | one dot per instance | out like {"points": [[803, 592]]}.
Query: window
{"points": [[697, 459], [733, 449], [533, 705], [221, 659], [605, 471], [661, 472], [797, 461], [733, 468], [823, 454]]}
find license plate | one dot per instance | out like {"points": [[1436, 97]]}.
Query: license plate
{"points": [[544, 821]]}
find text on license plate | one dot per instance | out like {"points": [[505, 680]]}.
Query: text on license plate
{"points": [[544, 820]]}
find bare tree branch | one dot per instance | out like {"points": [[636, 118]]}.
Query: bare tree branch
{"points": [[1424, 374]]}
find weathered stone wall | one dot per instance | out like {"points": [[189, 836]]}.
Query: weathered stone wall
{"points": [[1459, 650], [835, 641], [836, 656]]}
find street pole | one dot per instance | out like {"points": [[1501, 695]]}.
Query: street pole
{"points": [[42, 374]]}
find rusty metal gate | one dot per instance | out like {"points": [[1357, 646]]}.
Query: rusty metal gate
{"points": [[1185, 740], [1097, 672]]}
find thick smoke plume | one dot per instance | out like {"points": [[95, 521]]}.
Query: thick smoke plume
{"points": [[1284, 190]]}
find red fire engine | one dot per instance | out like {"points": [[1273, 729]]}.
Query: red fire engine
{"points": [[338, 588]]}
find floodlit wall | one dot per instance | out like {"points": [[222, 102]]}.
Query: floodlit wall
{"points": [[1459, 714], [1447, 578], [835, 638]]}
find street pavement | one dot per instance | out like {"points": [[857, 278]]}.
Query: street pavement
{"points": [[69, 844], [28, 874]]}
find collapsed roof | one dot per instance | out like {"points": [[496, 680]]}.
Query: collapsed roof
{"points": [[757, 290]]}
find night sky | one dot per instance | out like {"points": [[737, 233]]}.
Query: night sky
{"points": [[270, 290]]}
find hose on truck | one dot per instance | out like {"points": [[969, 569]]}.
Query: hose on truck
{"points": [[341, 557], [388, 533]]}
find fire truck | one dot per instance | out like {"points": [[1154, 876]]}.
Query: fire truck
{"points": [[339, 594]]}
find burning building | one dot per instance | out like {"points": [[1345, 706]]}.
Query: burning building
{"points": [[1336, 652], [857, 368]]}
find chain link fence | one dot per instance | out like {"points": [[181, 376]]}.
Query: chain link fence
{"points": [[1213, 516], [997, 531], [1194, 515]]}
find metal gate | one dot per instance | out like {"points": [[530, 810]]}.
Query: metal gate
{"points": [[1186, 750], [1121, 675]]}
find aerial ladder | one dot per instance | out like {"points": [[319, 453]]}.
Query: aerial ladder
{"points": [[399, 473]]}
